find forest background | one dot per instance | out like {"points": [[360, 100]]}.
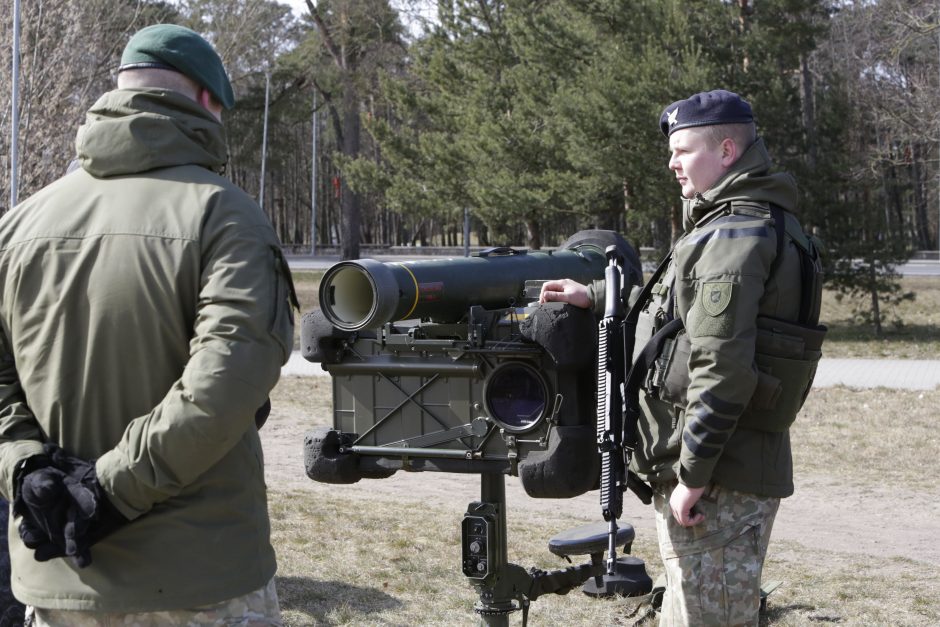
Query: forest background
{"points": [[521, 122]]}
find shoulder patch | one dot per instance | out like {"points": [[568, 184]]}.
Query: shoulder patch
{"points": [[716, 296]]}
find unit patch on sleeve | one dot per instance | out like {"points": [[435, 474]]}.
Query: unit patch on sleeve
{"points": [[716, 296], [711, 313]]}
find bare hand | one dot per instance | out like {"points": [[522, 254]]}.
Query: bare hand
{"points": [[682, 501], [565, 291]]}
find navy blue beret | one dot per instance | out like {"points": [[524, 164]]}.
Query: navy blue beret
{"points": [[707, 108], [172, 47]]}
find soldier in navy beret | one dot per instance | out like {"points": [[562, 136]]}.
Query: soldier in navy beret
{"points": [[698, 128], [718, 459]]}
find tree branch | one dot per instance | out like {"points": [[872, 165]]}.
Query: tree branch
{"points": [[327, 36]]}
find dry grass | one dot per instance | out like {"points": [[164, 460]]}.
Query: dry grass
{"points": [[387, 563], [886, 437], [917, 336], [371, 554], [824, 587], [398, 563]]}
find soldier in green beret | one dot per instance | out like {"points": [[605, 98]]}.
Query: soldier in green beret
{"points": [[147, 312], [720, 389]]}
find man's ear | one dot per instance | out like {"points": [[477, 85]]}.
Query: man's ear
{"points": [[209, 103], [729, 151], [204, 98]]}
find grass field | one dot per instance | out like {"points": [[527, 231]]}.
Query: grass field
{"points": [[388, 552], [916, 336]]}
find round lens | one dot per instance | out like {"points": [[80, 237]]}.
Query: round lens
{"points": [[515, 396]]}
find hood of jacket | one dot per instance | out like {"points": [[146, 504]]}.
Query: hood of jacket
{"points": [[750, 180], [135, 130]]}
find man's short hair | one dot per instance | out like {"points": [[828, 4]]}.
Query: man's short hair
{"points": [[160, 79], [743, 134]]}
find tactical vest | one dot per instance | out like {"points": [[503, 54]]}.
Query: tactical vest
{"points": [[786, 353]]}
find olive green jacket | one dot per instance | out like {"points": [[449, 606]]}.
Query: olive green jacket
{"points": [[144, 319], [718, 281]]}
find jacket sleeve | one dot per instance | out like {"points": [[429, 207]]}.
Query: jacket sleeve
{"points": [[242, 335], [597, 294], [20, 434], [721, 299]]}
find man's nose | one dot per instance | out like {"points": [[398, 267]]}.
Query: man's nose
{"points": [[673, 162]]}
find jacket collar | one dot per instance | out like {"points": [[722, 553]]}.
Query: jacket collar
{"points": [[135, 130]]}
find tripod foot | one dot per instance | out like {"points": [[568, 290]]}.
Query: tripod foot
{"points": [[629, 579]]}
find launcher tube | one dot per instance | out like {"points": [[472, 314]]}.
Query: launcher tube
{"points": [[366, 294]]}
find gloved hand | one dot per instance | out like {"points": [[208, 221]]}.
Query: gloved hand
{"points": [[65, 510], [41, 500], [90, 517]]}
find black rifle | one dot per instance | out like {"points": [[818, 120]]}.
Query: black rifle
{"points": [[611, 361], [617, 408]]}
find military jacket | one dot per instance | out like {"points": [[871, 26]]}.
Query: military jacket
{"points": [[144, 319], [718, 282]]}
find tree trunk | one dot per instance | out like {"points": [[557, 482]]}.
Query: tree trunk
{"points": [[350, 201], [893, 194], [920, 199], [533, 233], [873, 291], [676, 223], [809, 111]]}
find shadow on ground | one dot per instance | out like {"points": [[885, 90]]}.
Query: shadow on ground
{"points": [[318, 598], [777, 613]]}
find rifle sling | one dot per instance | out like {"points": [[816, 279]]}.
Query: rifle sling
{"points": [[649, 354], [634, 314]]}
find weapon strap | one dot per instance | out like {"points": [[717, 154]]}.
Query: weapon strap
{"points": [[647, 356], [632, 381], [807, 265], [634, 314], [780, 226]]}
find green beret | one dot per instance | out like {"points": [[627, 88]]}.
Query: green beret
{"points": [[172, 47]]}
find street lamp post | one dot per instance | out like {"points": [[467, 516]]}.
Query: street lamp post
{"points": [[313, 182]]}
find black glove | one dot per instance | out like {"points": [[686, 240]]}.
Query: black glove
{"points": [[90, 517], [65, 510], [42, 502]]}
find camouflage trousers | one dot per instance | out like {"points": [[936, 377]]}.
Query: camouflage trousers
{"points": [[255, 609], [713, 570]]}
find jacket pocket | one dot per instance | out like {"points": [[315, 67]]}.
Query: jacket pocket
{"points": [[787, 355], [285, 301]]}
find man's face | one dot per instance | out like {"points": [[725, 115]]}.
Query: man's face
{"points": [[698, 163]]}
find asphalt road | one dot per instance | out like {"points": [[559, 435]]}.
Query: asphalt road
{"points": [[922, 267], [897, 374]]}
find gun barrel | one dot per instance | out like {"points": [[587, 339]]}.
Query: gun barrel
{"points": [[365, 294]]}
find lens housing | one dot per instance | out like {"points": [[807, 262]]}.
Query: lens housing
{"points": [[516, 396]]}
